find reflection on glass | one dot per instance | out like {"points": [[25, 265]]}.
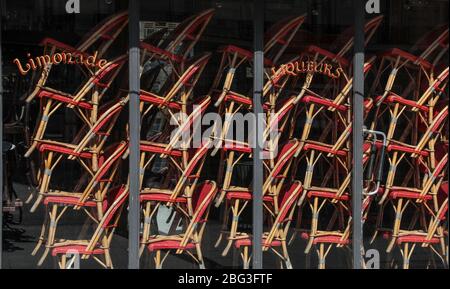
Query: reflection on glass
{"points": [[189, 60], [408, 86], [312, 90], [65, 134]]}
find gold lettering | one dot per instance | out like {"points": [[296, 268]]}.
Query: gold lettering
{"points": [[19, 66], [43, 60], [31, 61], [102, 62], [338, 72]]}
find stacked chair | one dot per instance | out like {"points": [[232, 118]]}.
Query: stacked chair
{"points": [[170, 73], [99, 192], [279, 194], [323, 125], [413, 202]]}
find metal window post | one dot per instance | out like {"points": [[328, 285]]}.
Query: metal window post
{"points": [[258, 79], [134, 131], [1, 143], [357, 153]]}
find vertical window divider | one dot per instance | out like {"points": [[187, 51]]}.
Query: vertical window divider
{"points": [[357, 135], [258, 83], [134, 134], [1, 143]]}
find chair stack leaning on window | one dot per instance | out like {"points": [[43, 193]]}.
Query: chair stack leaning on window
{"points": [[97, 105], [411, 96], [307, 152]]}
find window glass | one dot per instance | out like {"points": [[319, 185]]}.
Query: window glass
{"points": [[65, 97], [309, 81], [408, 87], [196, 59]]}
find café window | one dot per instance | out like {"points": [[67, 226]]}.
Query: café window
{"points": [[86, 185]]}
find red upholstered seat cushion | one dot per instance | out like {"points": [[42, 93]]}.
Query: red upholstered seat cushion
{"points": [[161, 198], [406, 149], [323, 148], [67, 200], [245, 196], [411, 238], [324, 102], [81, 249], [248, 242], [328, 195], [154, 148], [158, 100], [416, 239], [63, 98], [236, 97], [334, 239], [168, 245], [63, 150], [394, 194], [404, 101]]}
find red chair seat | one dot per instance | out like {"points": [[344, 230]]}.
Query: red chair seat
{"points": [[394, 194], [324, 148], [154, 148], [416, 239], [333, 239], [242, 99], [248, 242], [158, 100], [397, 98], [63, 98], [68, 200], [169, 245], [63, 150], [324, 102], [411, 238], [406, 149], [160, 198], [328, 195], [81, 249], [242, 195], [396, 52], [230, 145]]}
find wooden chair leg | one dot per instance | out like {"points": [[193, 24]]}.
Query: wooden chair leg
{"points": [[51, 234], [245, 257], [157, 259], [287, 259], [41, 129], [225, 217], [201, 262], [406, 256], [41, 234], [397, 221], [44, 182], [321, 255], [314, 224], [63, 263], [146, 229], [234, 226]]}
